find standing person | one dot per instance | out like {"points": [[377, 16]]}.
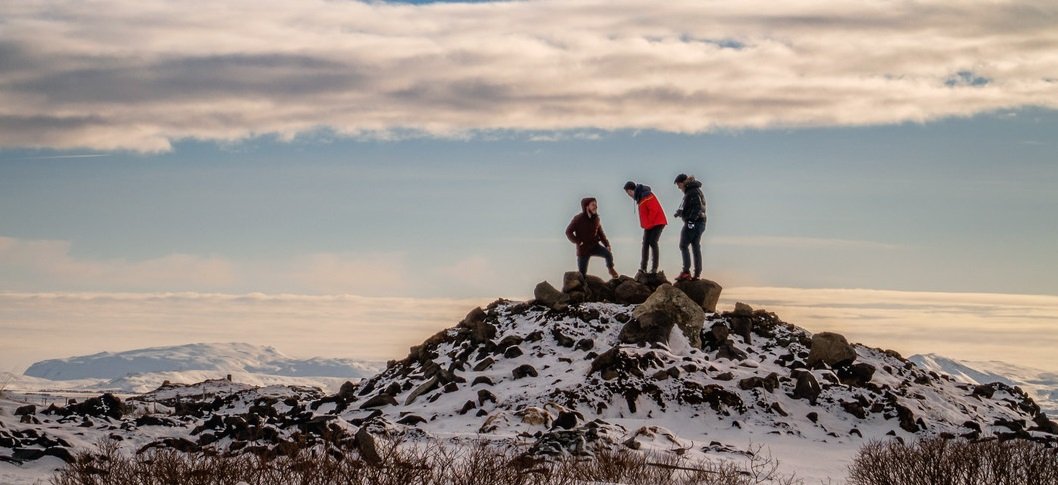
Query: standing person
{"points": [[586, 232], [651, 219], [692, 211]]}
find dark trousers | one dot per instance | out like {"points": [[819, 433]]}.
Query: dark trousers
{"points": [[650, 245], [599, 250], [691, 236]]}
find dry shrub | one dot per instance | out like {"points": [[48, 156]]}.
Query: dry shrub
{"points": [[482, 463], [938, 461]]}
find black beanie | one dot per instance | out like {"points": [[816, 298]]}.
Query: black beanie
{"points": [[630, 185], [680, 178]]}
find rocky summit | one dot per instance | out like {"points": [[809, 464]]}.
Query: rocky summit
{"points": [[595, 364]]}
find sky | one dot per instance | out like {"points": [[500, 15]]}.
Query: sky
{"points": [[163, 163]]}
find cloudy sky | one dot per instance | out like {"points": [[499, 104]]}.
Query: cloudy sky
{"points": [[164, 163]]}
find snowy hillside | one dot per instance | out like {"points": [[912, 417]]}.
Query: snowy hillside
{"points": [[137, 371], [558, 377], [1041, 385]]}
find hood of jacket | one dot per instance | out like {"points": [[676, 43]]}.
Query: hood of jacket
{"points": [[640, 192], [584, 205], [691, 184]]}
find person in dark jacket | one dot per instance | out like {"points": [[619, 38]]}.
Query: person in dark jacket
{"points": [[692, 211], [651, 219], [586, 232]]}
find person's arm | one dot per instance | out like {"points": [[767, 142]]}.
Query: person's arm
{"points": [[602, 237], [569, 231]]}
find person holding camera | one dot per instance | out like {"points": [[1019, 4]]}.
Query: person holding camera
{"points": [[585, 230], [692, 211]]}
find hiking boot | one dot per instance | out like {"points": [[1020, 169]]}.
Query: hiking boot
{"points": [[614, 274], [641, 273], [684, 276]]}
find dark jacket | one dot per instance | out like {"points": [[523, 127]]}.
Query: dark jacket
{"points": [[693, 208], [585, 230], [650, 212]]}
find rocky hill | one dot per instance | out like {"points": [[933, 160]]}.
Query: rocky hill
{"points": [[636, 364]]}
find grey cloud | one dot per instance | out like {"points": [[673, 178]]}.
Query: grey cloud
{"points": [[139, 75]]}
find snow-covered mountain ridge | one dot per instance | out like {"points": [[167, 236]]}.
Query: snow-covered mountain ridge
{"points": [[571, 377], [1041, 385]]}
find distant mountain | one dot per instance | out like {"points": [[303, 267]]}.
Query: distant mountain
{"points": [[143, 369], [1041, 385]]}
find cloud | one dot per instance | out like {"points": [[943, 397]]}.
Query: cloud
{"points": [[803, 242], [137, 75]]}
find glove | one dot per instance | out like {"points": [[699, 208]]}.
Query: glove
{"points": [[678, 214]]}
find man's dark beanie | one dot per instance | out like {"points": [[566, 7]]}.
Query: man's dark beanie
{"points": [[630, 185], [680, 178]]}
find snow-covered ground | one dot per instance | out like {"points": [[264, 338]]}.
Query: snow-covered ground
{"points": [[1040, 384]]}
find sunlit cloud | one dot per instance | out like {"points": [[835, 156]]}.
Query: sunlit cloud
{"points": [[138, 75]]}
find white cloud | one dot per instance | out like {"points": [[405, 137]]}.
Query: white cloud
{"points": [[802, 242], [123, 74]]}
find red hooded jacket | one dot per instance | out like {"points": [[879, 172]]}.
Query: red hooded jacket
{"points": [[650, 212]]}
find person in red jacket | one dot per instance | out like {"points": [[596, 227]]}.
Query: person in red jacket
{"points": [[651, 219], [586, 232]]}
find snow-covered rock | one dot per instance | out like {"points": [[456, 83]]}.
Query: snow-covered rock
{"points": [[1041, 385]]}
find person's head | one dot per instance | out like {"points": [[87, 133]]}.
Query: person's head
{"points": [[589, 205], [681, 181], [630, 189]]}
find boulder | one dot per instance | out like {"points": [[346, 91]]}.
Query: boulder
{"points": [[348, 390], [652, 280], [480, 330], [743, 309], [372, 440], [573, 281], [716, 336], [856, 375], [703, 292], [651, 327], [548, 296], [524, 370], [678, 308], [831, 349], [599, 290], [807, 386], [631, 292], [25, 410]]}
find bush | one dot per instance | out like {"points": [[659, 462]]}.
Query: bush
{"points": [[938, 461], [481, 463]]}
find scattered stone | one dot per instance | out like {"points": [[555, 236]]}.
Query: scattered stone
{"points": [[513, 352], [482, 380], [678, 308], [524, 370], [548, 296], [411, 420], [631, 292], [856, 375], [484, 364], [27, 409], [704, 293], [831, 349], [807, 386], [484, 395], [379, 401], [652, 327], [585, 344]]}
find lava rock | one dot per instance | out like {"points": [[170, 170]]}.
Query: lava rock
{"points": [[856, 375], [524, 370], [679, 308], [631, 292], [484, 395], [831, 349], [548, 296], [379, 401], [653, 327], [348, 390], [807, 386], [25, 410], [704, 293]]}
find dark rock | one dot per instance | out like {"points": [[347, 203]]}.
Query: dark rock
{"points": [[480, 330], [27, 454], [566, 420], [769, 383], [743, 310], [484, 364], [704, 293], [379, 401], [742, 326], [429, 385], [451, 387], [678, 308], [716, 396], [507, 342], [467, 407], [371, 441], [1045, 424], [652, 327], [832, 349], [562, 339], [60, 453], [807, 386], [151, 420], [813, 417], [524, 370], [778, 409], [856, 375], [411, 420], [726, 376], [107, 405], [513, 352], [599, 290], [631, 292], [728, 351], [573, 281], [716, 336], [548, 296], [585, 344], [484, 395], [984, 390], [482, 380], [854, 408], [652, 280], [347, 391], [27, 409]]}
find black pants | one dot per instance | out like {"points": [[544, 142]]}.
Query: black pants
{"points": [[582, 261], [691, 236], [650, 245]]}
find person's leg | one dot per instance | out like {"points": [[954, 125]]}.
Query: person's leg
{"points": [[604, 253], [685, 241], [646, 250], [696, 245], [655, 236], [582, 265]]}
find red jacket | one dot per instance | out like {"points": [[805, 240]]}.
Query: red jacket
{"points": [[650, 212]]}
